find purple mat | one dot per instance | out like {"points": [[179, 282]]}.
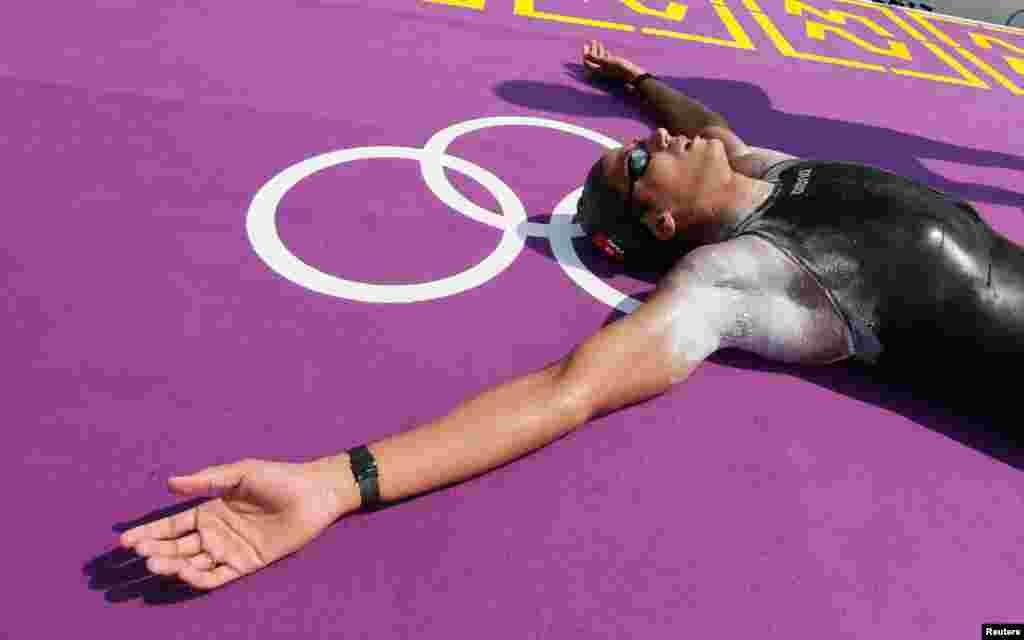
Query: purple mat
{"points": [[221, 244]]}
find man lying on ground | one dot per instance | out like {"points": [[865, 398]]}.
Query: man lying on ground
{"points": [[808, 262]]}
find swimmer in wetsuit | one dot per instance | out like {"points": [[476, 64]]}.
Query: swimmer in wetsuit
{"points": [[824, 260], [798, 261]]}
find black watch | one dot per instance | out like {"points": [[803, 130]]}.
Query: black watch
{"points": [[640, 78]]}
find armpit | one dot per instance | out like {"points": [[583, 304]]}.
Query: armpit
{"points": [[765, 304], [774, 327]]}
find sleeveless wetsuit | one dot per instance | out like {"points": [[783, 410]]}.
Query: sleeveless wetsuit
{"points": [[922, 281]]}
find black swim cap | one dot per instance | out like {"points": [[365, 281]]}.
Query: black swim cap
{"points": [[602, 213]]}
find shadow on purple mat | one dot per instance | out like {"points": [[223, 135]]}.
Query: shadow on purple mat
{"points": [[749, 110], [123, 576]]}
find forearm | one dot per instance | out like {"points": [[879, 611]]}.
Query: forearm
{"points": [[487, 431], [675, 111]]}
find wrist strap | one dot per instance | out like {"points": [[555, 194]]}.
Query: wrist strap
{"points": [[640, 78], [364, 469]]}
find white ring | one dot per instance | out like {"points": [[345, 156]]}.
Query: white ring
{"points": [[565, 253], [261, 227], [560, 235], [446, 193]]}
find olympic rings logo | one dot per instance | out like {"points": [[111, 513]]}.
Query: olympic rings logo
{"points": [[262, 228]]}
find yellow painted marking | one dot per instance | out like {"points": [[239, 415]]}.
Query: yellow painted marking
{"points": [[527, 8], [985, 42], [818, 30], [964, 78], [1016, 64], [740, 38], [788, 50], [468, 4], [927, 24], [752, 6], [674, 10]]}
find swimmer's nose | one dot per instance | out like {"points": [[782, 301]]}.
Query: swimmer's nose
{"points": [[659, 140]]}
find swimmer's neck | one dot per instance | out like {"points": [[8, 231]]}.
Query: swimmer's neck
{"points": [[742, 197]]}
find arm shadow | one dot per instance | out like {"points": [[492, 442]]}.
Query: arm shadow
{"points": [[978, 412], [749, 110]]}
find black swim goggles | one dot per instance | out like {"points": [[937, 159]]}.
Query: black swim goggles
{"points": [[636, 164]]}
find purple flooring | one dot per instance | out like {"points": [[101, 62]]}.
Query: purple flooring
{"points": [[146, 336]]}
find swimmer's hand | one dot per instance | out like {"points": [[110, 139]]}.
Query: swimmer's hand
{"points": [[265, 511], [600, 63]]}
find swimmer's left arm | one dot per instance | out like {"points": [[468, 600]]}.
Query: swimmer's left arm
{"points": [[628, 361], [677, 112]]}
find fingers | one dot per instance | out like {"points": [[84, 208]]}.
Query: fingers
{"points": [[212, 579], [594, 53], [200, 571], [165, 566], [164, 529], [201, 551], [182, 547], [216, 478]]}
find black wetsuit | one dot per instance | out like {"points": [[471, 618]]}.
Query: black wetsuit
{"points": [[924, 283]]}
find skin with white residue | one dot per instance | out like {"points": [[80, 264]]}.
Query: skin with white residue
{"points": [[765, 303]]}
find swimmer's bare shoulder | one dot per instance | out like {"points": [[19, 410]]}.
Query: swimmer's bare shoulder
{"points": [[753, 162], [774, 308]]}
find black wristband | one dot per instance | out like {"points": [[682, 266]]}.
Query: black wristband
{"points": [[364, 469], [640, 78]]}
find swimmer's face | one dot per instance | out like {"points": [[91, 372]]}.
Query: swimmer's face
{"points": [[676, 181]]}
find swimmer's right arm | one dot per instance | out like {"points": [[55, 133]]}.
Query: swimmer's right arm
{"points": [[628, 361], [671, 109]]}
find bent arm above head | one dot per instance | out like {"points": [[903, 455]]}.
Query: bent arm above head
{"points": [[670, 108], [628, 361]]}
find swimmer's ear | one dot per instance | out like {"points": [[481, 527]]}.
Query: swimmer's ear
{"points": [[664, 225]]}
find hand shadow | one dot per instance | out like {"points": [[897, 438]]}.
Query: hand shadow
{"points": [[123, 575]]}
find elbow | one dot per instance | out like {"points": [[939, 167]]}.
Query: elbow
{"points": [[573, 399], [580, 399]]}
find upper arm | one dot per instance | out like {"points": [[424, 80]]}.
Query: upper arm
{"points": [[656, 346], [750, 161]]}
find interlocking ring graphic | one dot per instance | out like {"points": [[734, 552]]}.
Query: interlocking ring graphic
{"points": [[261, 224]]}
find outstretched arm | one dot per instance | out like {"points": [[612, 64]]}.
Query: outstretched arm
{"points": [[268, 510], [628, 361], [671, 109]]}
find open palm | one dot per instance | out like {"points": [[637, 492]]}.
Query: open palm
{"points": [[267, 510]]}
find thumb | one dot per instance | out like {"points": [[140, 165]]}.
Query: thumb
{"points": [[214, 479]]}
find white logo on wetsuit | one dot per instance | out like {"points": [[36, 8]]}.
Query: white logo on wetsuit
{"points": [[802, 182]]}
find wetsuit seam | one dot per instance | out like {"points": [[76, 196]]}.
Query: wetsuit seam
{"points": [[851, 341]]}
